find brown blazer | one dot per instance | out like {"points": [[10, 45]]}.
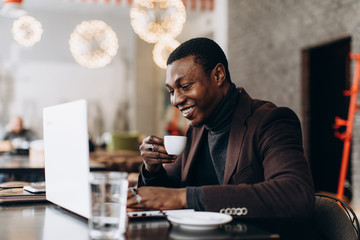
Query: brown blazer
{"points": [[266, 171]]}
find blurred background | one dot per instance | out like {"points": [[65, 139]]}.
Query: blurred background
{"points": [[126, 94]]}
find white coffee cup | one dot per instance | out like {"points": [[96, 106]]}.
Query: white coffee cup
{"points": [[174, 145]]}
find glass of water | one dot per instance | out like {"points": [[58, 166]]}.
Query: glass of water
{"points": [[108, 196]]}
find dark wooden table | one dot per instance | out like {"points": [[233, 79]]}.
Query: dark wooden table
{"points": [[48, 221], [12, 163], [20, 167]]}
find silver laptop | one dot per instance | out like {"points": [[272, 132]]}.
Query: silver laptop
{"points": [[66, 146]]}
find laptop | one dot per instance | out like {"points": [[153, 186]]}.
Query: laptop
{"points": [[66, 147]]}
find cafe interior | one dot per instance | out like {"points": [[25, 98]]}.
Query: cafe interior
{"points": [[299, 54]]}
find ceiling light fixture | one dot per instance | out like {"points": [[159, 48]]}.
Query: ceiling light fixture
{"points": [[93, 44], [162, 50], [27, 31], [152, 19]]}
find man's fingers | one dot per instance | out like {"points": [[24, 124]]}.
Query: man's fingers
{"points": [[160, 156], [168, 161], [153, 139], [158, 161]]}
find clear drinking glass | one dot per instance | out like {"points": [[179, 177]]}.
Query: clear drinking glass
{"points": [[108, 196]]}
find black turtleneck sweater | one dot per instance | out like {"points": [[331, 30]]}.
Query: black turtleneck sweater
{"points": [[210, 162]]}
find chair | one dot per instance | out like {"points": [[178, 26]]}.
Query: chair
{"points": [[124, 141], [334, 219]]}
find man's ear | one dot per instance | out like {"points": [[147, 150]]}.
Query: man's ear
{"points": [[219, 73]]}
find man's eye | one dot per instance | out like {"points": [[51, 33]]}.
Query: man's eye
{"points": [[186, 86], [171, 92]]}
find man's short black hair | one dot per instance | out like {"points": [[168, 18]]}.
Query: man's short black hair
{"points": [[206, 52]]}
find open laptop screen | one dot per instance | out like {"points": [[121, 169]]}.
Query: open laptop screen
{"points": [[66, 147]]}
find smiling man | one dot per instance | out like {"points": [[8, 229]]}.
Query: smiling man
{"points": [[243, 157]]}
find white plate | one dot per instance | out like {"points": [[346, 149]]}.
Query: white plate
{"points": [[198, 220]]}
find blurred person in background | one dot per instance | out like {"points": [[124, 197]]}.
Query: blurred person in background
{"points": [[16, 141], [17, 137], [15, 130]]}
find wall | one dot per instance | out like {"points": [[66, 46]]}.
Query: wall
{"points": [[266, 38]]}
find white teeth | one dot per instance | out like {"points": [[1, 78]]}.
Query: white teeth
{"points": [[186, 111]]}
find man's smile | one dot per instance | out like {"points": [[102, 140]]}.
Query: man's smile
{"points": [[187, 112]]}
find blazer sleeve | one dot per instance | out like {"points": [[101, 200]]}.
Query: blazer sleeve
{"points": [[286, 190], [166, 177]]}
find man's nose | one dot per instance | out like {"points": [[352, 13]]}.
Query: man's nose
{"points": [[178, 98]]}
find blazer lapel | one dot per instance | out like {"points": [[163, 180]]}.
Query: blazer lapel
{"points": [[196, 141], [237, 133]]}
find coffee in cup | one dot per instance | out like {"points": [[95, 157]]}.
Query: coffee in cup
{"points": [[174, 145]]}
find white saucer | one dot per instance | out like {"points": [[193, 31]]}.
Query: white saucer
{"points": [[198, 220]]}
